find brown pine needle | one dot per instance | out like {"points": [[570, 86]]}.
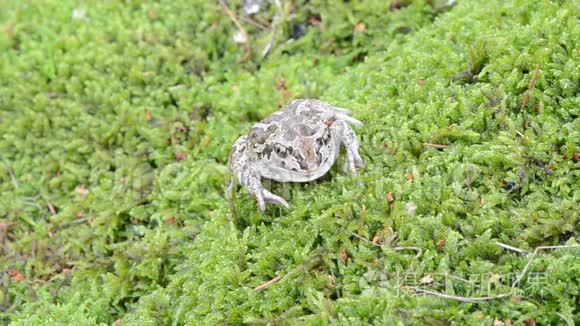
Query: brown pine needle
{"points": [[438, 146], [234, 19], [255, 23], [268, 284]]}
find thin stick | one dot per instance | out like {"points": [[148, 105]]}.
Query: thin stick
{"points": [[364, 239], [418, 250], [458, 298], [268, 284], [508, 247], [275, 23], [75, 222], [255, 23], [568, 321], [234, 19], [534, 254], [459, 279], [438, 146]]}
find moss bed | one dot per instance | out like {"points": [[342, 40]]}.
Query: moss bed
{"points": [[116, 121]]}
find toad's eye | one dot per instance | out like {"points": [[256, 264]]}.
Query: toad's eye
{"points": [[282, 151]]}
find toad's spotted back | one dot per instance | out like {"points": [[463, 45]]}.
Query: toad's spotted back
{"points": [[299, 143]]}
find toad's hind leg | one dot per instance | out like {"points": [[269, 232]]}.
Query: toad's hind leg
{"points": [[343, 114], [248, 176], [344, 133]]}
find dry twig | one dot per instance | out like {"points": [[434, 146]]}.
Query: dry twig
{"points": [[275, 23], [508, 247], [255, 23], [234, 19], [455, 297], [438, 146], [268, 284]]}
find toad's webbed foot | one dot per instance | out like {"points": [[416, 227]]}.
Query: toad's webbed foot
{"points": [[267, 197]]}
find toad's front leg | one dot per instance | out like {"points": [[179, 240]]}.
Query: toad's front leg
{"points": [[263, 196], [248, 175], [343, 133]]}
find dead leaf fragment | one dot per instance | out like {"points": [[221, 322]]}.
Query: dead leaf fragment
{"points": [[15, 275], [495, 279], [51, 208], [331, 282], [52, 95], [390, 197], [360, 28], [441, 245], [67, 272], [344, 257], [170, 220], [81, 190], [286, 94], [152, 15], [530, 322], [180, 156], [314, 21]]}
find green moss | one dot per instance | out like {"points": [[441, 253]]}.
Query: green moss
{"points": [[117, 124]]}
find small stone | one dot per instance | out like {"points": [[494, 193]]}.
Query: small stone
{"points": [[411, 208]]}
